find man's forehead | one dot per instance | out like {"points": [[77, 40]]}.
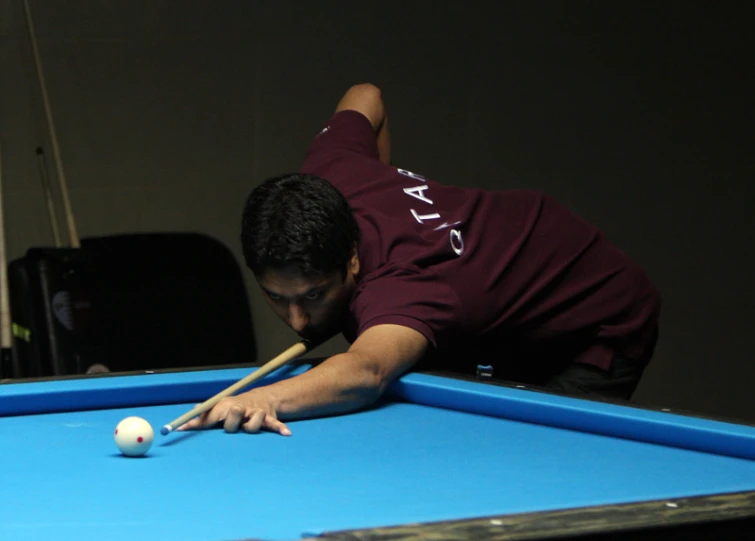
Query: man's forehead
{"points": [[293, 280]]}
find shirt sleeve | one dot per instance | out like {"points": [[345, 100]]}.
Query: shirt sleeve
{"points": [[412, 299], [346, 132]]}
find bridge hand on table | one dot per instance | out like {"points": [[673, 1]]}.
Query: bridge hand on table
{"points": [[243, 412]]}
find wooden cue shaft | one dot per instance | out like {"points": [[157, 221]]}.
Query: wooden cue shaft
{"points": [[70, 221], [48, 195], [284, 358], [5, 331], [6, 337]]}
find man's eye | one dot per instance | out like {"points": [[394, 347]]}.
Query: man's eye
{"points": [[313, 295], [273, 296]]}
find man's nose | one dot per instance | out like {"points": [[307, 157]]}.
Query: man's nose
{"points": [[297, 317]]}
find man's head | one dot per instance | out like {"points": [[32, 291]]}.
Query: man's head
{"points": [[299, 238]]}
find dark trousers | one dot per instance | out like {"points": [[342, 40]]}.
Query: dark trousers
{"points": [[618, 383], [554, 369]]}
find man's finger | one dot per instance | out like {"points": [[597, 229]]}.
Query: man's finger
{"points": [[254, 424], [274, 425], [233, 418], [205, 420]]}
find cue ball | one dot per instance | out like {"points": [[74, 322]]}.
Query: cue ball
{"points": [[134, 436]]}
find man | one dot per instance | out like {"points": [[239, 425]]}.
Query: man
{"points": [[416, 274]]}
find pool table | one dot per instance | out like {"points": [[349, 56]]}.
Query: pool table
{"points": [[439, 457]]}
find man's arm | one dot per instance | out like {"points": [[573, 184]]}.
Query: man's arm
{"points": [[368, 100], [345, 382]]}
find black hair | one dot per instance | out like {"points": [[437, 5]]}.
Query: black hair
{"points": [[298, 219]]}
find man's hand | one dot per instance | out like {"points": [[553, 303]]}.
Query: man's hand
{"points": [[342, 383], [251, 412]]}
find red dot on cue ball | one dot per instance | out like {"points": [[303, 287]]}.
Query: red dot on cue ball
{"points": [[116, 430], [140, 439]]}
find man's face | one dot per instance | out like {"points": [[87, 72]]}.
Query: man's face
{"points": [[311, 306]]}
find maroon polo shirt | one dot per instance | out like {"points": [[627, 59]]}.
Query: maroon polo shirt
{"points": [[508, 276]]}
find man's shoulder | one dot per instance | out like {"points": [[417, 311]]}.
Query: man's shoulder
{"points": [[404, 294]]}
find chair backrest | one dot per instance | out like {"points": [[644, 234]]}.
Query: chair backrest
{"points": [[167, 300]]}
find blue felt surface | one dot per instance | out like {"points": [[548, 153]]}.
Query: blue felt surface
{"points": [[63, 478]]}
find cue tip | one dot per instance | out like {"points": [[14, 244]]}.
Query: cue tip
{"points": [[167, 429]]}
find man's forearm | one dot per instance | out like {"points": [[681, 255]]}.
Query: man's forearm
{"points": [[338, 385]]}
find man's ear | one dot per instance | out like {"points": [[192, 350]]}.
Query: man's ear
{"points": [[354, 261]]}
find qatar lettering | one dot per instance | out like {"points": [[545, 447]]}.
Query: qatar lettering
{"points": [[419, 192]]}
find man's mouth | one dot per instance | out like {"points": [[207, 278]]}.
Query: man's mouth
{"points": [[316, 336]]}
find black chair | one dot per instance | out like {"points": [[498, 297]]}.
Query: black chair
{"points": [[145, 301]]}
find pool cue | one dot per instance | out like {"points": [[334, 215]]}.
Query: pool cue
{"points": [[284, 358], [73, 234], [6, 336], [44, 175]]}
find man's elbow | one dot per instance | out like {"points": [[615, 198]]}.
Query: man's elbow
{"points": [[367, 99], [370, 385], [366, 91], [379, 378]]}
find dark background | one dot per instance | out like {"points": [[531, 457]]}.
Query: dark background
{"points": [[638, 115]]}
